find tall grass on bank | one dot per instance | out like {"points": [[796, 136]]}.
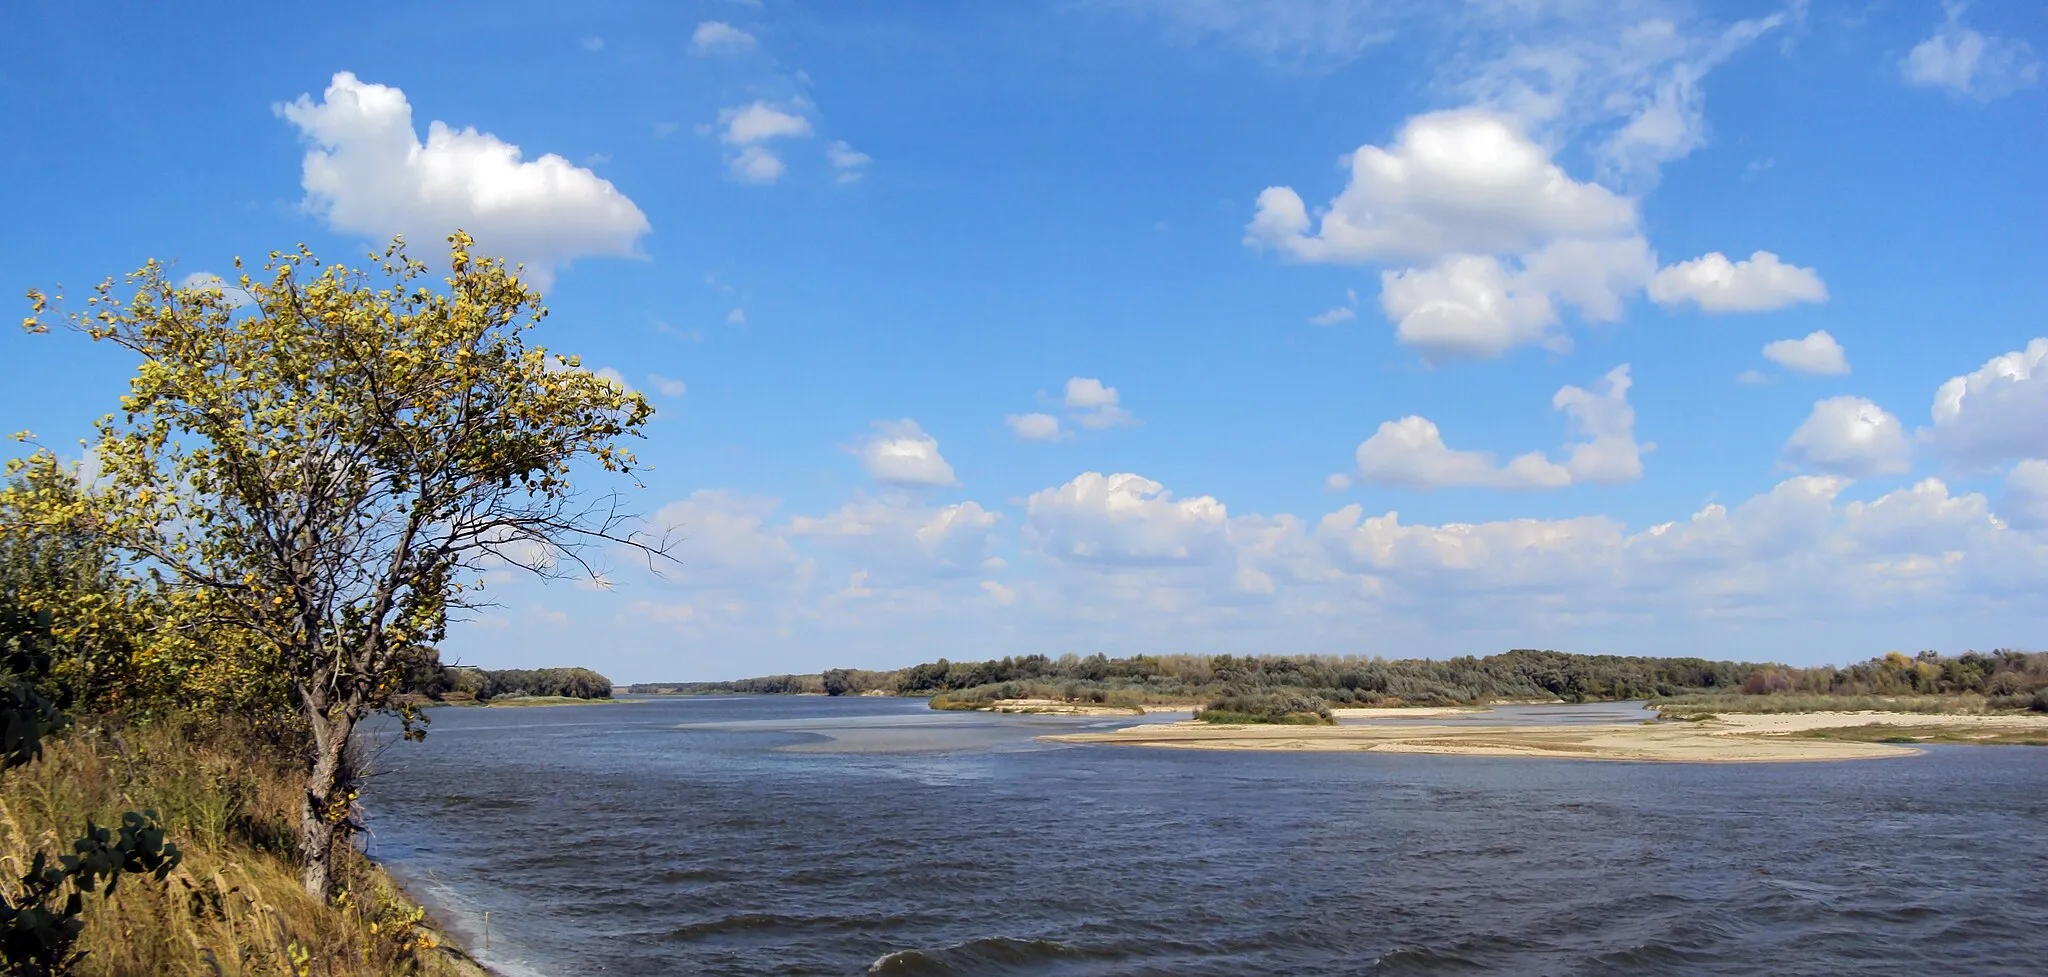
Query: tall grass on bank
{"points": [[235, 906], [1963, 704]]}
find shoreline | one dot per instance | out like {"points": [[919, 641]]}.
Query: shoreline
{"points": [[524, 702], [1061, 707], [454, 954], [1764, 738]]}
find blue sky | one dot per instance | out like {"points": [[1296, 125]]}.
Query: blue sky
{"points": [[1324, 326]]}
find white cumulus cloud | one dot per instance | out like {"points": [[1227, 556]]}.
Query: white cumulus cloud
{"points": [[1478, 306], [1489, 240], [1411, 452], [1035, 427], [667, 386], [896, 538], [1498, 239], [1124, 519], [1967, 63], [1459, 181], [1094, 406], [2025, 503], [1849, 436], [230, 293], [366, 171], [759, 122], [901, 453], [1468, 306], [750, 129], [719, 37], [1996, 413], [721, 540], [1757, 284], [849, 163], [1818, 353], [1606, 452], [756, 164]]}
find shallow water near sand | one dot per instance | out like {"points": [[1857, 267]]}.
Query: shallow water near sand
{"points": [[850, 836]]}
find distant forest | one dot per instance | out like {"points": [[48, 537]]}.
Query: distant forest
{"points": [[427, 678], [2007, 679]]}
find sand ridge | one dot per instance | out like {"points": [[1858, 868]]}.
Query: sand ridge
{"points": [[1724, 739]]}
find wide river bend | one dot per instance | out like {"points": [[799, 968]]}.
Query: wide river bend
{"points": [[850, 836]]}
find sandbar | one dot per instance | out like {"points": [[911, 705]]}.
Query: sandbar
{"points": [[1403, 712], [1725, 739], [1061, 707]]}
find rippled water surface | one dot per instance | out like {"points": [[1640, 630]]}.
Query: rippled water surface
{"points": [[832, 836]]}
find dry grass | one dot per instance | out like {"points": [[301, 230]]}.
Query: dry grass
{"points": [[1678, 707], [234, 907], [1930, 733]]}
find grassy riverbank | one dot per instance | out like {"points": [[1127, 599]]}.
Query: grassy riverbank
{"points": [[234, 906], [1931, 733], [1961, 704]]}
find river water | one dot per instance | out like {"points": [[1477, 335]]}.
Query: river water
{"points": [[851, 836]]}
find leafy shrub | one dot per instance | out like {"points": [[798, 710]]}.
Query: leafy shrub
{"points": [[1287, 708]]}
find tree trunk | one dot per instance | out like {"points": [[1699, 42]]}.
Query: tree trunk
{"points": [[324, 808]]}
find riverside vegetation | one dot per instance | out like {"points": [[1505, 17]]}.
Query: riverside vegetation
{"points": [[428, 682], [1300, 689], [310, 471]]}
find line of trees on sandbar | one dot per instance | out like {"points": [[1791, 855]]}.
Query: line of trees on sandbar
{"points": [[428, 679], [1522, 674], [1279, 708], [2007, 679]]}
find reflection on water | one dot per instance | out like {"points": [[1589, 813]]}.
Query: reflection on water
{"points": [[815, 836]]}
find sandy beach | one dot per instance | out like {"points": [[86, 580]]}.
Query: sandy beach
{"points": [[1404, 712], [1727, 739], [1061, 707]]}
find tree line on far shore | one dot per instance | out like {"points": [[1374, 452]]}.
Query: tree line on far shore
{"points": [[427, 678], [2006, 679]]}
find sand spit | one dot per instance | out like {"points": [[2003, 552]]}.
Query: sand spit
{"points": [[1404, 712], [1061, 707], [1727, 739]]}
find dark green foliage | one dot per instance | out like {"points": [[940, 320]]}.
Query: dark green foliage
{"points": [[424, 675], [26, 715], [838, 681], [570, 683], [39, 928], [1288, 708], [2040, 702], [2008, 678], [26, 719], [137, 847]]}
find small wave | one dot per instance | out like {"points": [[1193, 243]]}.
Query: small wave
{"points": [[763, 925], [1655, 958], [989, 955], [1479, 955]]}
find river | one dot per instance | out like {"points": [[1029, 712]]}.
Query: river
{"points": [[872, 835]]}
